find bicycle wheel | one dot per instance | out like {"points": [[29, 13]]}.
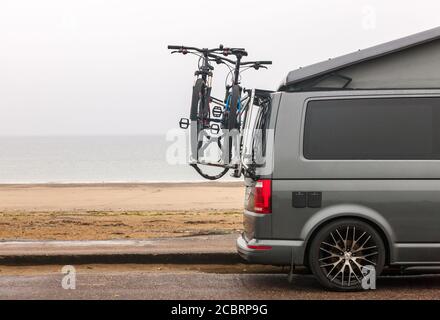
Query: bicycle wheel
{"points": [[197, 105], [233, 122], [197, 116], [230, 120], [210, 176], [200, 115]]}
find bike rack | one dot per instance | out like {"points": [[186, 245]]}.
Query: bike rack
{"points": [[235, 162]]}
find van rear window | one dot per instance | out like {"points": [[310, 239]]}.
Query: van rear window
{"points": [[373, 129], [255, 139]]}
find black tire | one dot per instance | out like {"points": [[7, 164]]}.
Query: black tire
{"points": [[336, 259], [195, 101], [210, 177], [200, 108], [200, 113], [233, 122]]}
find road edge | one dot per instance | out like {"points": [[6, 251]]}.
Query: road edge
{"points": [[123, 258]]}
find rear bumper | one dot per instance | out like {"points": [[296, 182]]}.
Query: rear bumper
{"points": [[271, 252]]}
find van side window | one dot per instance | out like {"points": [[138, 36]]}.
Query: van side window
{"points": [[373, 129]]}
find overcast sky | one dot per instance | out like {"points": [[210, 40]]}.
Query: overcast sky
{"points": [[86, 67]]}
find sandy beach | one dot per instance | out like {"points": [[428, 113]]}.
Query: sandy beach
{"points": [[122, 197], [119, 211]]}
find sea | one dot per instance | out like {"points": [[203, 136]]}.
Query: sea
{"points": [[95, 159]]}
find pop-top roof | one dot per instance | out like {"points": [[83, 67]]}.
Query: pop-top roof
{"points": [[333, 65]]}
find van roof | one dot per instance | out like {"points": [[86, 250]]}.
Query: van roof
{"points": [[332, 65]]}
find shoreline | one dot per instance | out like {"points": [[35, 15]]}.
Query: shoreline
{"points": [[123, 184]]}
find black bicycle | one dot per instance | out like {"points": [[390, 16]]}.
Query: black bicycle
{"points": [[225, 115]]}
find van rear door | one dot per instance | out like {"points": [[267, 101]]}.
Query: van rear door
{"points": [[258, 197]]}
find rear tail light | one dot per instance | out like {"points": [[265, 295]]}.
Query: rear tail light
{"points": [[263, 197]]}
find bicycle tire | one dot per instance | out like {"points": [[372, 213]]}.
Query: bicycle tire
{"points": [[198, 113], [207, 176], [197, 92], [235, 99]]}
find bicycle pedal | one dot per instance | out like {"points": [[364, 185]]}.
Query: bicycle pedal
{"points": [[215, 129], [217, 112], [184, 123]]}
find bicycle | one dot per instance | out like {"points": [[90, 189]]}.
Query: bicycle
{"points": [[227, 113]]}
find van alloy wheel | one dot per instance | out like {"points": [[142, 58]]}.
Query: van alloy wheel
{"points": [[341, 251], [344, 256]]}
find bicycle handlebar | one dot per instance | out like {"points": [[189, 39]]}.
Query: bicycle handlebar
{"points": [[235, 51], [256, 63], [174, 47], [204, 51], [214, 55], [225, 51]]}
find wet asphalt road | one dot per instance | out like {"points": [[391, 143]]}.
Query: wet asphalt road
{"points": [[196, 286]]}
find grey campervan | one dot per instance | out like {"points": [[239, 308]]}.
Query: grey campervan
{"points": [[352, 172]]}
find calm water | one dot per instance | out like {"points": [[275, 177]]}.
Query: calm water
{"points": [[89, 159]]}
